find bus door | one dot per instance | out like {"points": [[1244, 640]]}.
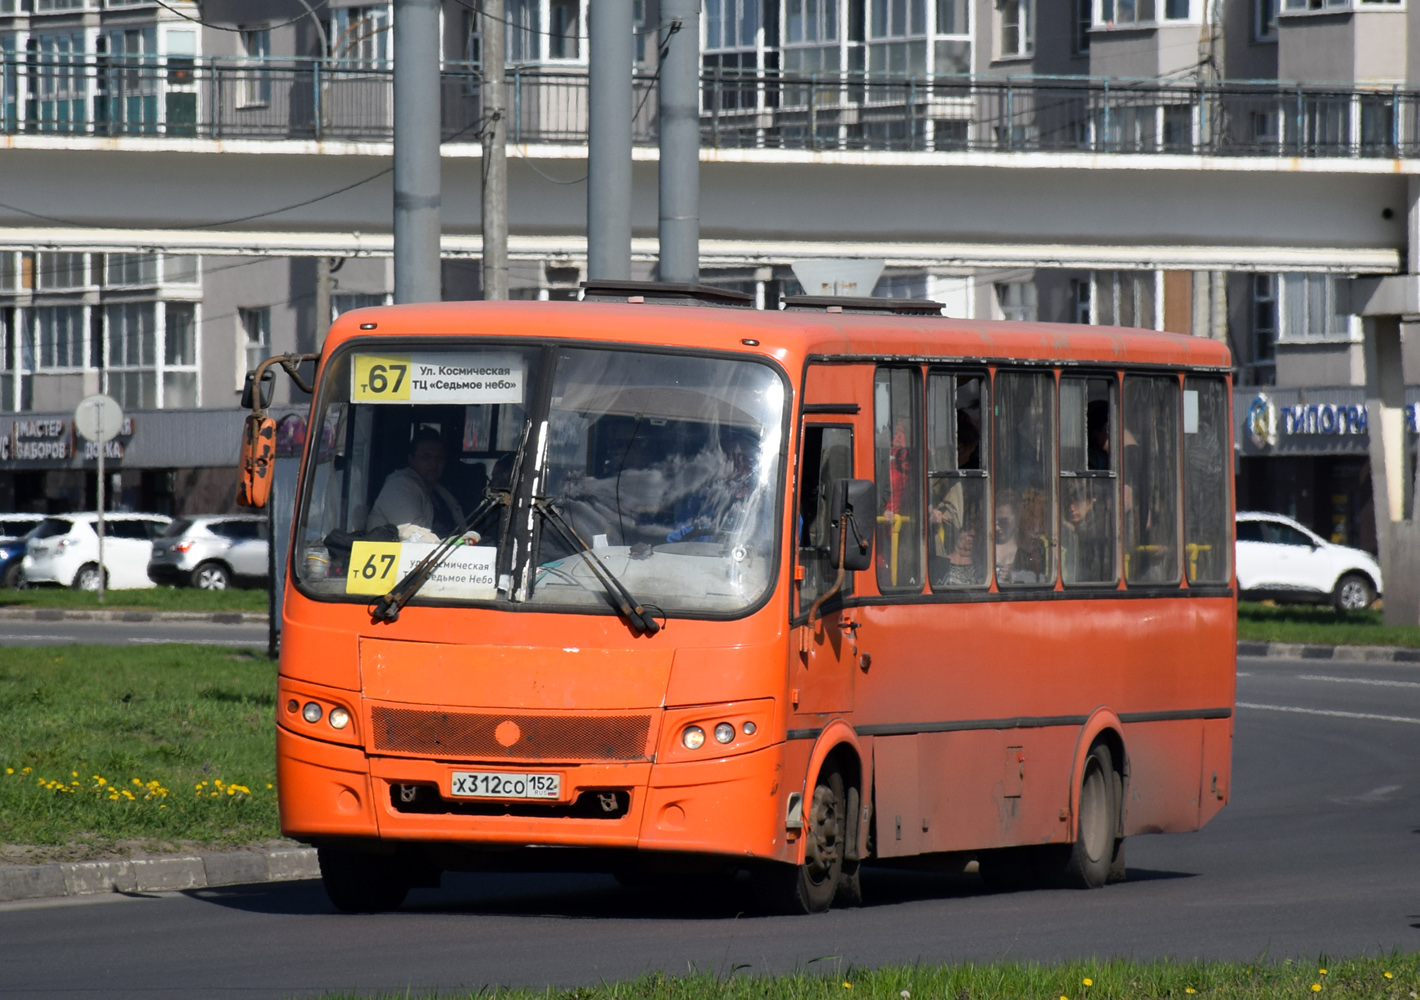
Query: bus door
{"points": [[823, 671]]}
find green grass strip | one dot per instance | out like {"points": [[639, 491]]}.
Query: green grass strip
{"points": [[153, 599], [104, 748], [1395, 977], [1320, 625]]}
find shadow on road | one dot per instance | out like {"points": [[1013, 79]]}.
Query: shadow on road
{"points": [[582, 896]]}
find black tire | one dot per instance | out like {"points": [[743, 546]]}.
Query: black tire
{"points": [[14, 577], [812, 886], [1092, 855], [1353, 593], [211, 576], [362, 883], [87, 578]]}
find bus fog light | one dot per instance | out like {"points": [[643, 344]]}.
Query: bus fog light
{"points": [[749, 728], [293, 706], [339, 718], [724, 733], [693, 737], [312, 712]]}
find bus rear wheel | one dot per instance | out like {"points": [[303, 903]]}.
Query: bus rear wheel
{"points": [[1097, 853], [362, 883], [812, 886]]}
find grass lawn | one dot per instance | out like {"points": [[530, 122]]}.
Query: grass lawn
{"points": [[153, 599], [1393, 978], [1311, 624], [105, 749]]}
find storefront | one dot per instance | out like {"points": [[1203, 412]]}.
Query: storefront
{"points": [[162, 462], [1305, 453]]}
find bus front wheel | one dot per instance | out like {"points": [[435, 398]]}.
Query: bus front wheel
{"points": [[362, 883], [812, 886]]}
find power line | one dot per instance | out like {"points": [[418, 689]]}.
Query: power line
{"points": [[222, 27]]}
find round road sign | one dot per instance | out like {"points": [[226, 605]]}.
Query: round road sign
{"points": [[98, 418]]}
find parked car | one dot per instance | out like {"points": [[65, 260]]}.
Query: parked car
{"points": [[13, 529], [1279, 559], [212, 551], [65, 550]]}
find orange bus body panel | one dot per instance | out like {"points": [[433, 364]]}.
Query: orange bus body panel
{"points": [[969, 720]]}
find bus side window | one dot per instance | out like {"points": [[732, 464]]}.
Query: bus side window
{"points": [[1088, 481], [897, 466], [828, 457], [1207, 460], [1024, 501], [1150, 476], [957, 482]]}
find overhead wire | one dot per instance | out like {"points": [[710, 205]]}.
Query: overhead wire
{"points": [[222, 27]]}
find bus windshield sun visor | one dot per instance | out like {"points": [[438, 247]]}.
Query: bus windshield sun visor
{"points": [[387, 608], [631, 609]]}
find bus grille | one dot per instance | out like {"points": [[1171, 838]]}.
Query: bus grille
{"points": [[511, 737]]}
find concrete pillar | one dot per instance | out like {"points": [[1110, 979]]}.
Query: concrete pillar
{"points": [[609, 23], [679, 227], [416, 151]]}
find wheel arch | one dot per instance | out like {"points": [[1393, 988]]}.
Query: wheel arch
{"points": [[837, 743], [1102, 726]]}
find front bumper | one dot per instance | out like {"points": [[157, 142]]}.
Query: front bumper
{"points": [[729, 806]]}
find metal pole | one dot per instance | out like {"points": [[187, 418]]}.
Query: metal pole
{"points": [[416, 151], [495, 153], [609, 23], [679, 228], [99, 422]]}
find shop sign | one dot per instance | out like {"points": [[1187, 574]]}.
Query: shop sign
{"points": [[1265, 420], [114, 447], [45, 439]]}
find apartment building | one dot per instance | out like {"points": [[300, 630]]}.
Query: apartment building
{"points": [[171, 335]]}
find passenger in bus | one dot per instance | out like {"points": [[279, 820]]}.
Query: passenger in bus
{"points": [[962, 566], [413, 500], [946, 513], [719, 507], [1097, 432], [1017, 560], [1085, 542]]}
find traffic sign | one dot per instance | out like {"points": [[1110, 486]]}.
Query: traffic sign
{"points": [[98, 418]]}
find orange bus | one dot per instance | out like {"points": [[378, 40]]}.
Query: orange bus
{"points": [[684, 587]]}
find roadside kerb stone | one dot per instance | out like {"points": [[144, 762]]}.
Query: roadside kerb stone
{"points": [[81, 878], [130, 615], [1333, 654]]}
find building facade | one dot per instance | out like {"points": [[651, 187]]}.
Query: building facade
{"points": [[171, 334]]}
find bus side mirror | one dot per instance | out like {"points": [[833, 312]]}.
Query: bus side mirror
{"points": [[854, 502], [256, 464], [268, 386]]}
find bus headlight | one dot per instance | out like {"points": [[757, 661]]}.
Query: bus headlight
{"points": [[724, 733], [693, 738], [312, 712], [338, 718]]}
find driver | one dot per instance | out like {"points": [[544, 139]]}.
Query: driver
{"points": [[413, 500], [719, 506]]}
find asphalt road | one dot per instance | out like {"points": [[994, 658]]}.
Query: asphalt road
{"points": [[23, 632], [1317, 854]]}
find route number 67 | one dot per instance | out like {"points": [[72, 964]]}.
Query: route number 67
{"points": [[374, 567], [380, 379]]}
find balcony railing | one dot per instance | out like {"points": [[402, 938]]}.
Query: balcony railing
{"points": [[308, 99]]}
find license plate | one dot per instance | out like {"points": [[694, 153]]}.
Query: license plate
{"points": [[500, 785]]}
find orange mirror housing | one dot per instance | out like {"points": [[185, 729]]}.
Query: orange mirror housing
{"points": [[256, 464]]}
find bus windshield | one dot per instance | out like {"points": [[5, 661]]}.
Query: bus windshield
{"points": [[664, 467]]}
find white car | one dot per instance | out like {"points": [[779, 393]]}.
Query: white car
{"points": [[1277, 558], [65, 550]]}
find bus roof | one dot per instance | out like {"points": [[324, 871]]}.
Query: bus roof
{"points": [[790, 336]]}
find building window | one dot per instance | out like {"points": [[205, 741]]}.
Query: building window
{"points": [[1176, 10], [130, 362], [1080, 26], [180, 356], [1126, 298], [1081, 290], [1314, 308], [564, 29], [1016, 300], [733, 24], [254, 85], [61, 337], [179, 269], [59, 271], [255, 337], [1016, 21], [343, 303], [1264, 20], [131, 270], [359, 36], [1264, 328], [638, 23]]}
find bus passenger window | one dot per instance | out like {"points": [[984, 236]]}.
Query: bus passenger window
{"points": [[897, 464], [957, 538], [1024, 505], [1088, 483], [1207, 458], [1150, 476], [828, 457]]}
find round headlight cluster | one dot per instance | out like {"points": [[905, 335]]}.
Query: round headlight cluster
{"points": [[338, 718], [693, 737], [724, 733], [312, 712]]}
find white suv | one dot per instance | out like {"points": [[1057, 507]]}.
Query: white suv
{"points": [[1277, 558], [65, 550]]}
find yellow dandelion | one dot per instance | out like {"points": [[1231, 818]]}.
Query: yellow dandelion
{"points": [[25, 770], [1316, 987], [1064, 997], [73, 774], [1087, 982], [1388, 975], [270, 786], [137, 782], [11, 770], [162, 807], [1321, 972], [1189, 989], [847, 986]]}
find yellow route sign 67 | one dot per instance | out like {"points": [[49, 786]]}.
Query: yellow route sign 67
{"points": [[374, 568], [381, 380]]}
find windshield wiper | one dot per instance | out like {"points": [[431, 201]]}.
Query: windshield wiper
{"points": [[638, 617], [387, 608]]}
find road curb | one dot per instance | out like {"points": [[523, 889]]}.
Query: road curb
{"points": [[1334, 654], [119, 615], [82, 878]]}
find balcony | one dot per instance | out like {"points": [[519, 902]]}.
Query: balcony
{"points": [[324, 100]]}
